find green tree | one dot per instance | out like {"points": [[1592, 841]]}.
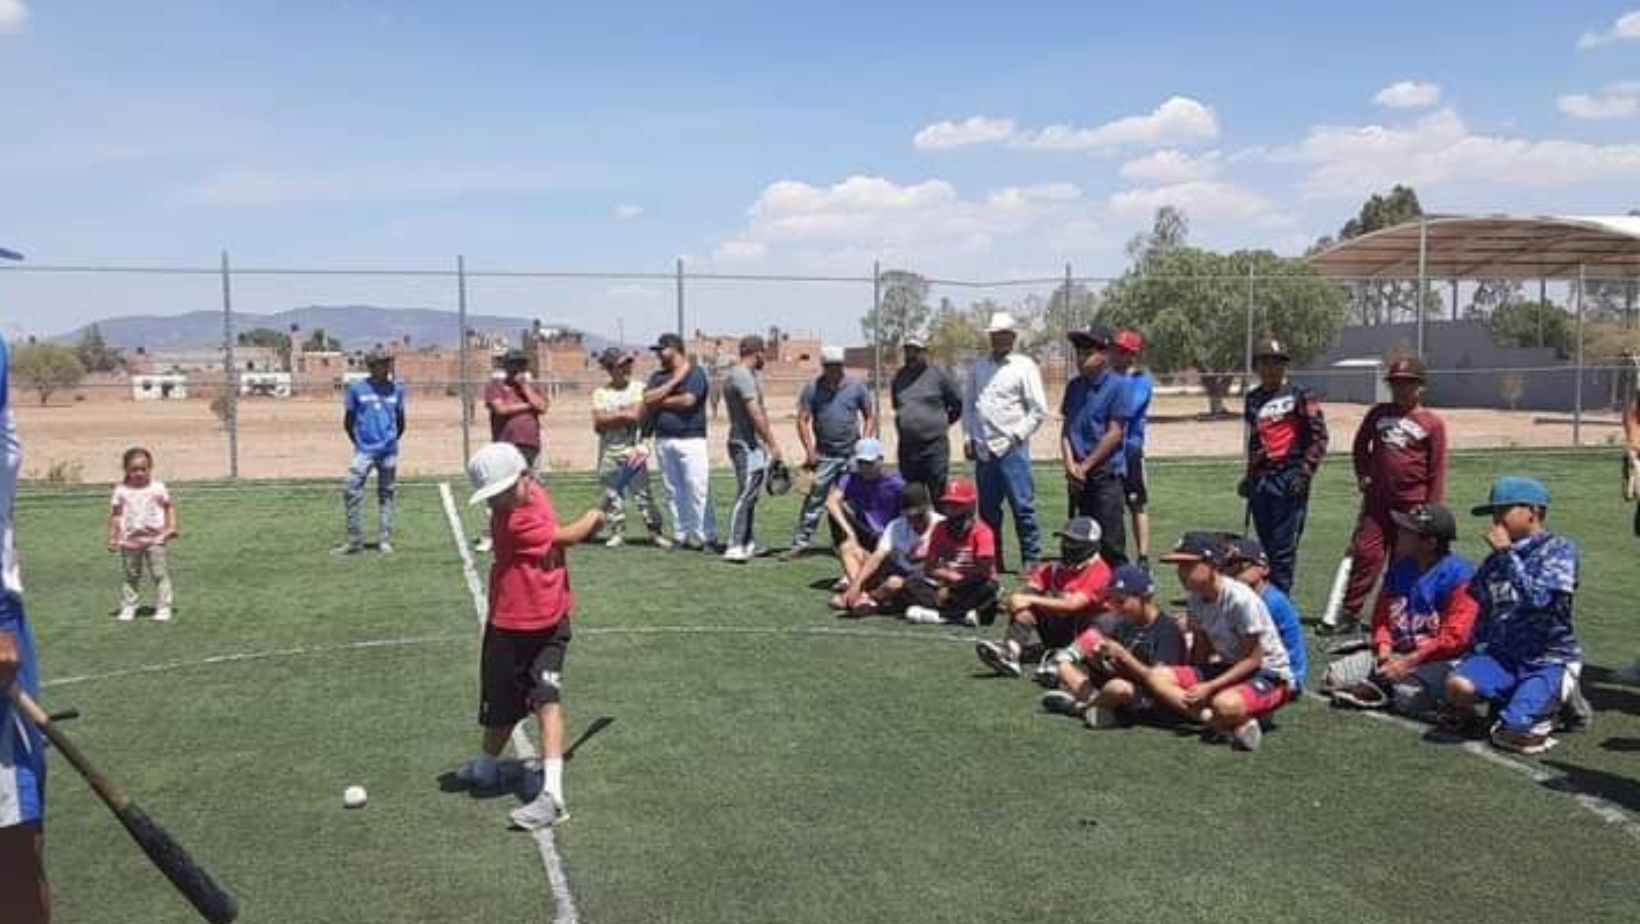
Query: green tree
{"points": [[1191, 305], [321, 342], [95, 354], [904, 312], [1169, 231], [1383, 301], [46, 368], [1531, 324], [267, 338], [956, 334]]}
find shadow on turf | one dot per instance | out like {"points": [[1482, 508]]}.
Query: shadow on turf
{"points": [[1606, 693], [517, 779], [1619, 790]]}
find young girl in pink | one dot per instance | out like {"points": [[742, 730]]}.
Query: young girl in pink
{"points": [[141, 521]]}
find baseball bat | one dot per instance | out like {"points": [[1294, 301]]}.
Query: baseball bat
{"points": [[212, 902], [1335, 597]]}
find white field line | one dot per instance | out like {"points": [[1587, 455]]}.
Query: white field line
{"points": [[545, 844], [1607, 811]]}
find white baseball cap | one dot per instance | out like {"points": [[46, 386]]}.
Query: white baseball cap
{"points": [[1001, 322], [493, 469], [831, 355]]}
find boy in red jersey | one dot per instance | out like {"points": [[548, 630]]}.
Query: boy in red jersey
{"points": [[958, 582], [1059, 600]]}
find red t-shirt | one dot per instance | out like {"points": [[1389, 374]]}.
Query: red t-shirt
{"points": [[1403, 454], [529, 579], [523, 429], [1057, 579], [973, 556]]}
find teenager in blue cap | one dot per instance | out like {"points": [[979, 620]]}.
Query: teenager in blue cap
{"points": [[1527, 659]]}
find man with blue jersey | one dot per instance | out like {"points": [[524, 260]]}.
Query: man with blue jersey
{"points": [[1124, 358], [374, 422], [1096, 411], [24, 895], [1423, 623], [1527, 659], [1246, 561]]}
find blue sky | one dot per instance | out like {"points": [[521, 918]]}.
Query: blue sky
{"points": [[959, 139]]}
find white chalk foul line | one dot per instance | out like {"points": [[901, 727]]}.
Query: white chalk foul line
{"points": [[166, 667], [545, 844], [1605, 810]]}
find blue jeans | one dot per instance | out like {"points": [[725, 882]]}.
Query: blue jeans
{"points": [[831, 469], [1009, 476], [387, 478], [1279, 521], [751, 470]]}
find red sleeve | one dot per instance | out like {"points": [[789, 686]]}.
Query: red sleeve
{"points": [[985, 543], [1380, 623], [495, 391], [1361, 452], [1457, 626], [1437, 459], [1039, 579]]}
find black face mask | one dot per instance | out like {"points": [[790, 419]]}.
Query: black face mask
{"points": [[1075, 553], [960, 522]]}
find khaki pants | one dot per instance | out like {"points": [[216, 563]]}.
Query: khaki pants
{"points": [[135, 560]]}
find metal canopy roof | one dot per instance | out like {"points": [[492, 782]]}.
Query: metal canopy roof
{"points": [[1497, 247]]}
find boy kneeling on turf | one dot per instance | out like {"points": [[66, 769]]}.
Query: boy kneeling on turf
{"points": [[1102, 677], [1422, 624], [879, 583], [958, 580], [1526, 660], [1239, 671], [1060, 599], [527, 634]]}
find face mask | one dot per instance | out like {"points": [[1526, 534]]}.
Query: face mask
{"points": [[1075, 553], [960, 522]]}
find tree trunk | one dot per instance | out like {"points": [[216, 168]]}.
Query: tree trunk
{"points": [[1217, 388]]}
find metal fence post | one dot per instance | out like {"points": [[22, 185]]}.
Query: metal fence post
{"points": [[1070, 319], [877, 342], [461, 366], [1577, 386], [230, 369], [1247, 357], [1423, 280], [680, 301]]}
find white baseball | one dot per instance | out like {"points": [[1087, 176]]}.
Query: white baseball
{"points": [[355, 797]]}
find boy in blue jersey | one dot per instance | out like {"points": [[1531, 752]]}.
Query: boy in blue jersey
{"points": [[1246, 561], [374, 422], [1527, 659], [24, 896], [1124, 358]]}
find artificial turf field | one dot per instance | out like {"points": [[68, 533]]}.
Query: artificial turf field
{"points": [[785, 765]]}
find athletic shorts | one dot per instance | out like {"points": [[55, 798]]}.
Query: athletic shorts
{"points": [[519, 672], [1261, 693], [22, 748], [1135, 483], [1525, 699]]}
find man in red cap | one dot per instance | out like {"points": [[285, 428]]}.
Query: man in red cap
{"points": [[1286, 440], [1124, 358], [1400, 464]]}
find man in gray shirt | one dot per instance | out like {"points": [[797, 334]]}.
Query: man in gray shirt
{"points": [[833, 413], [752, 446], [926, 404]]}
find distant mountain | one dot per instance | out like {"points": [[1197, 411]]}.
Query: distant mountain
{"points": [[358, 327]]}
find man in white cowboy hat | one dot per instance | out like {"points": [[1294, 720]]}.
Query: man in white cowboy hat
{"points": [[1004, 405]]}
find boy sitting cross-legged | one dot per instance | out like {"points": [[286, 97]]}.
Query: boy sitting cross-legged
{"points": [[1102, 674], [1059, 601], [958, 580]]}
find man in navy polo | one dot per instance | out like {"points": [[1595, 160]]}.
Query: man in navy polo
{"points": [[1096, 409]]}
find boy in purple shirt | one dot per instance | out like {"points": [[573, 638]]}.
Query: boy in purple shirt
{"points": [[861, 505]]}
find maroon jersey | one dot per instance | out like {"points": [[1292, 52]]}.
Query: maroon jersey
{"points": [[1285, 429], [1404, 455]]}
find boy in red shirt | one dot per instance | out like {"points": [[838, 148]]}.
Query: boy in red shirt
{"points": [[1400, 464], [958, 582], [527, 634], [1058, 602]]}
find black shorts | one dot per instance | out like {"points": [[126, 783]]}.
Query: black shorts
{"points": [[519, 672], [1135, 483]]}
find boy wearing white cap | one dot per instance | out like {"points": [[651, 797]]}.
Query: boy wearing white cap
{"points": [[1004, 406], [527, 632]]}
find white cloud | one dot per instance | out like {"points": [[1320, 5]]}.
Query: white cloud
{"points": [[973, 130], [1171, 165], [13, 16], [627, 211], [741, 250], [1024, 197], [1350, 161], [1204, 201], [258, 186], [1177, 121], [1615, 101], [1625, 29], [1408, 94]]}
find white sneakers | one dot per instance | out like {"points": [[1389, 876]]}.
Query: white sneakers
{"points": [[127, 613], [615, 541], [545, 812], [163, 614], [923, 615], [737, 554]]}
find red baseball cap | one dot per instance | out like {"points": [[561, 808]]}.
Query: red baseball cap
{"points": [[1128, 341], [960, 491]]}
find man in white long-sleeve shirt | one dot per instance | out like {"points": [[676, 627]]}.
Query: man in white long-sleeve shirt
{"points": [[1005, 404]]}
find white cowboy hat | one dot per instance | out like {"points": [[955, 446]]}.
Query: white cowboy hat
{"points": [[1001, 322]]}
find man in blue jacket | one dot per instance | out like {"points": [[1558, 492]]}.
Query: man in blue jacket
{"points": [[373, 419]]}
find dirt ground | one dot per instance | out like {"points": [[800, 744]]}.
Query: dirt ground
{"points": [[302, 438]]}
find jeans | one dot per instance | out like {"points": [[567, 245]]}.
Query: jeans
{"points": [[135, 560], [751, 471], [387, 477], [1009, 476], [814, 503], [688, 484], [609, 469], [1279, 521]]}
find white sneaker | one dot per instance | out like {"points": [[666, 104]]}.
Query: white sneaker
{"points": [[127, 613], [660, 541], [1101, 717], [922, 615], [163, 614], [385, 547], [840, 585], [736, 554], [1060, 702], [484, 544], [1247, 736], [545, 812], [480, 774], [971, 619], [615, 541], [998, 658]]}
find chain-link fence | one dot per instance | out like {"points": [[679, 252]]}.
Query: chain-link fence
{"points": [[238, 371]]}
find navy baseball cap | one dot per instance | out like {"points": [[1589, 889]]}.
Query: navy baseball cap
{"points": [[1198, 545], [1432, 520], [1097, 336], [1514, 491], [1131, 581], [1245, 550], [667, 341]]}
